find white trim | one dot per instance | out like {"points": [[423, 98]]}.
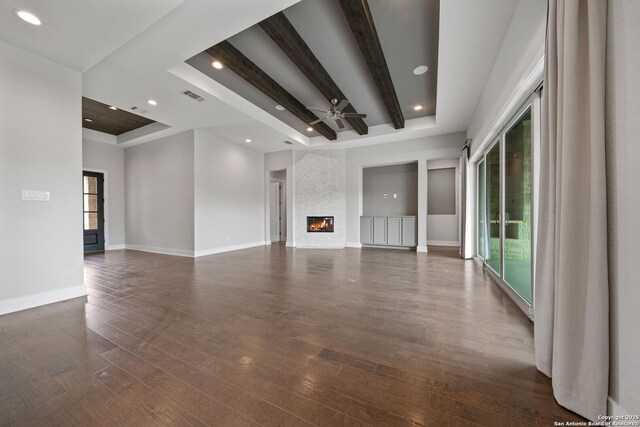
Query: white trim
{"points": [[230, 248], [35, 300], [422, 249], [165, 251], [291, 244], [94, 135], [614, 408], [321, 247], [442, 243], [402, 248], [353, 245], [114, 247]]}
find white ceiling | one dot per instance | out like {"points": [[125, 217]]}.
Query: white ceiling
{"points": [[79, 33], [151, 63]]}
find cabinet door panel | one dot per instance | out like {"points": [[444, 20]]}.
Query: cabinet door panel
{"points": [[366, 231], [394, 231], [409, 231], [380, 231]]}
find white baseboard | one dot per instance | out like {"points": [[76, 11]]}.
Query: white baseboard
{"points": [[321, 247], [442, 243], [614, 408], [421, 249], [230, 248], [44, 298], [291, 244], [353, 245], [164, 251], [114, 247]]}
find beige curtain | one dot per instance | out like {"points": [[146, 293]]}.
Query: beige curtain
{"points": [[572, 300]]}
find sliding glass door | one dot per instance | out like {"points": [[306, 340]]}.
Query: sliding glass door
{"points": [[505, 206], [517, 210]]}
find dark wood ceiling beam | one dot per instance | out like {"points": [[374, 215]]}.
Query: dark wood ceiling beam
{"points": [[232, 58], [293, 45], [364, 31]]}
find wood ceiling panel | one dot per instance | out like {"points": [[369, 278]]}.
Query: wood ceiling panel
{"points": [[364, 31], [232, 58], [107, 120]]}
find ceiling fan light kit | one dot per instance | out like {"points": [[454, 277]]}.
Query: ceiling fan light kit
{"points": [[335, 113]]}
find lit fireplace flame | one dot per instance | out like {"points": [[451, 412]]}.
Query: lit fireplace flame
{"points": [[319, 226]]}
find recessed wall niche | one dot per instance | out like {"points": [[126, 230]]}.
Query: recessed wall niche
{"points": [[390, 190]]}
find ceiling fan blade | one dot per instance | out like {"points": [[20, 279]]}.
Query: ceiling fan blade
{"points": [[317, 109], [315, 121], [354, 115], [342, 104], [340, 124]]}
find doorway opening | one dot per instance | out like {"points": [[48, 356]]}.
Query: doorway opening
{"points": [[277, 206], [93, 211]]}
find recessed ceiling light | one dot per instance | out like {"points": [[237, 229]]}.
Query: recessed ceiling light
{"points": [[309, 129], [217, 65], [28, 17], [88, 120], [280, 107], [113, 108], [247, 140], [152, 102], [420, 70], [417, 108]]}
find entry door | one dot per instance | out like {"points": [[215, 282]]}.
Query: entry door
{"points": [[93, 211], [274, 210]]}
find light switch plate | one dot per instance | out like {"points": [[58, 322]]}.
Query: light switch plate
{"points": [[36, 195], [395, 196]]}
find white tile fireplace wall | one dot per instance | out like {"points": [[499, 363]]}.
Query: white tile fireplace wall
{"points": [[319, 184]]}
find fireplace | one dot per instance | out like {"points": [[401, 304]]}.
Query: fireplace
{"points": [[319, 224]]}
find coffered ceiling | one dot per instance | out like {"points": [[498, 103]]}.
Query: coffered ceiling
{"points": [[131, 52], [317, 50]]}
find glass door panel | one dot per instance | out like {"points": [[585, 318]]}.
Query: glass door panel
{"points": [[481, 211], [492, 189], [518, 210]]}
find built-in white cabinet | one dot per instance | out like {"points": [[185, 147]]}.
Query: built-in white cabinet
{"points": [[389, 231]]}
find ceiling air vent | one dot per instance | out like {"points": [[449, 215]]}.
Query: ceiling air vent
{"points": [[192, 95], [288, 142]]}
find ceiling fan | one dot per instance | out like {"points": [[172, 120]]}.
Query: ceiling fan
{"points": [[335, 112]]}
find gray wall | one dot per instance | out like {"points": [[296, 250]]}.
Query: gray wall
{"points": [[521, 49], [159, 195], [319, 188], [623, 128], [40, 149], [416, 150], [110, 158], [441, 196], [443, 228], [229, 194], [401, 180]]}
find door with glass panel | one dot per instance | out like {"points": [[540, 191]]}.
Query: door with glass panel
{"points": [[93, 211], [493, 255], [505, 211], [518, 210]]}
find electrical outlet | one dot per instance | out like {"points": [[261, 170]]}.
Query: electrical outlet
{"points": [[228, 238], [155, 239]]}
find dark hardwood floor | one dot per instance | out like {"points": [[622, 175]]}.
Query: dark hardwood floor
{"points": [[276, 336]]}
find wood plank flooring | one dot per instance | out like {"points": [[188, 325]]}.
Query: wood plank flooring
{"points": [[276, 336]]}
